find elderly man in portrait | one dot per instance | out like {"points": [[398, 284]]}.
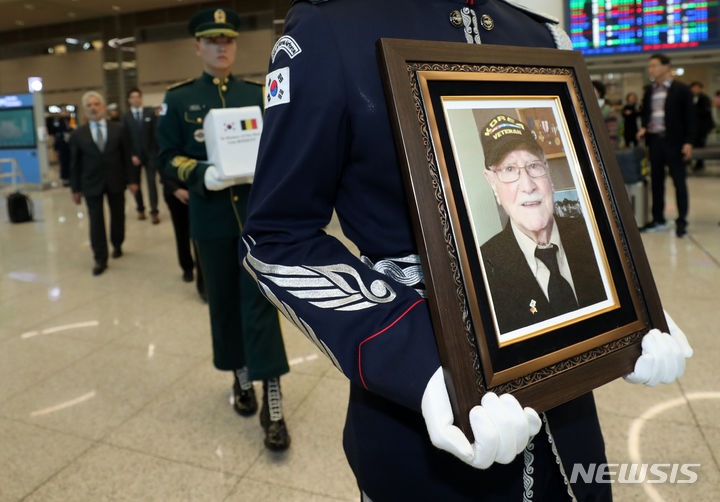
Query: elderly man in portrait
{"points": [[541, 265]]}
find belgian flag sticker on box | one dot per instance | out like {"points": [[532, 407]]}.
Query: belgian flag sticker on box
{"points": [[232, 139]]}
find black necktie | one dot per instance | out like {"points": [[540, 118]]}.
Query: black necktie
{"points": [[560, 294]]}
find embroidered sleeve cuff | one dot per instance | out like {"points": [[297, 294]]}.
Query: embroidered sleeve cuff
{"points": [[184, 165]]}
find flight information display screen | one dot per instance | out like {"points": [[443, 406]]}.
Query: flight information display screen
{"points": [[619, 26], [17, 128]]}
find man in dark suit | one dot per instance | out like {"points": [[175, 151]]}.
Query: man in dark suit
{"points": [[668, 125], [139, 124], [703, 119], [539, 266], [101, 166], [519, 300]]}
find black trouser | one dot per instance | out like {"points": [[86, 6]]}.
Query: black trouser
{"points": [[150, 175], [96, 213], [664, 153], [700, 142], [245, 326], [630, 139], [181, 223], [64, 160]]}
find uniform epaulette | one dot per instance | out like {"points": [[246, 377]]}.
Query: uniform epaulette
{"points": [[254, 82], [179, 84], [539, 16], [314, 2]]}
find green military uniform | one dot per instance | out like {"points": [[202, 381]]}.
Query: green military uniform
{"points": [[245, 328]]}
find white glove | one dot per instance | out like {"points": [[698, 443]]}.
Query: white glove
{"points": [[502, 429], [214, 182], [663, 356]]}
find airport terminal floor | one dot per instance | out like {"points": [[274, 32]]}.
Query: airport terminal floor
{"points": [[108, 393]]}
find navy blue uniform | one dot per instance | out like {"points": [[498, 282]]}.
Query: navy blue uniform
{"points": [[327, 144]]}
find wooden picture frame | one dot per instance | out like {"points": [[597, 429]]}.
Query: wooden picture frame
{"points": [[442, 98]]}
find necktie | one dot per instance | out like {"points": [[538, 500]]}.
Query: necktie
{"points": [[560, 294], [99, 137], [137, 116]]}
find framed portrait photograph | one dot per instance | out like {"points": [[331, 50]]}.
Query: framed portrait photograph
{"points": [[537, 280]]}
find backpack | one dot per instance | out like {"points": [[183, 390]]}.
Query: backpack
{"points": [[19, 207]]}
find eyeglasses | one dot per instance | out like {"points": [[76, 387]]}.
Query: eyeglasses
{"points": [[511, 173]]}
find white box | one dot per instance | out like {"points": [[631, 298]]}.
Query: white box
{"points": [[232, 139]]}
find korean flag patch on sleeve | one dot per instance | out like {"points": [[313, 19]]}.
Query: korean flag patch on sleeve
{"points": [[277, 87]]}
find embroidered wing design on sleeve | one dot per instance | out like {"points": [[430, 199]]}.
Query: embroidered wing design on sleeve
{"points": [[337, 287], [325, 287]]}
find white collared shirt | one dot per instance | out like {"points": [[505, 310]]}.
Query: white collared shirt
{"points": [[537, 267], [136, 112]]}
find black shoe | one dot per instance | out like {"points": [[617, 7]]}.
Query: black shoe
{"points": [[117, 253], [187, 276], [277, 437], [245, 402], [99, 268], [681, 230], [653, 226]]}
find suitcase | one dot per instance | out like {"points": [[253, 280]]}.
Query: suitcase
{"points": [[630, 162], [19, 207], [638, 193]]}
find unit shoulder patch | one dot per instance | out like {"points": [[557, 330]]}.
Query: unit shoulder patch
{"points": [[286, 44]]}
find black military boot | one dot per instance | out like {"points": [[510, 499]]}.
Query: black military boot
{"points": [[244, 402], [271, 417]]}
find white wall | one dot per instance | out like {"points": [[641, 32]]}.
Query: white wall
{"points": [[162, 63], [65, 76], [555, 8]]}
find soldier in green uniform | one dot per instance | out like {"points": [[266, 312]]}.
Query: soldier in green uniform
{"points": [[245, 330]]}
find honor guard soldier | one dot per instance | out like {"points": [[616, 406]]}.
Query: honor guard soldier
{"points": [[245, 327], [327, 145]]}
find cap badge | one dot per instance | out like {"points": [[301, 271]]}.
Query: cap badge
{"points": [[219, 16]]}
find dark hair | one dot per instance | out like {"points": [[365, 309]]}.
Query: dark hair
{"points": [[627, 97], [661, 57], [599, 87], [134, 89], [696, 83]]}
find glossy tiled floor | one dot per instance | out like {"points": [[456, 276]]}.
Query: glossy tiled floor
{"points": [[107, 391]]}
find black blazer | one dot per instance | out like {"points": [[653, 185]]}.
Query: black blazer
{"points": [[703, 115], [513, 285], [679, 113], [93, 171], [141, 136]]}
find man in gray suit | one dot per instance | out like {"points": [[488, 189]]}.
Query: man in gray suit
{"points": [[100, 166]]}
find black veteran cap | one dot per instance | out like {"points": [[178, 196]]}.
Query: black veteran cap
{"points": [[214, 23], [502, 135]]}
